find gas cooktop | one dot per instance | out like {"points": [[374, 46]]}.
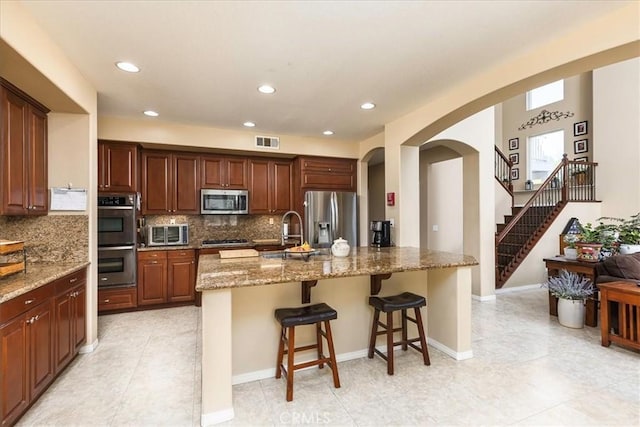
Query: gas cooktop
{"points": [[224, 243]]}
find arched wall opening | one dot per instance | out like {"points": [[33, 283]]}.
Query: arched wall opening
{"points": [[449, 202]]}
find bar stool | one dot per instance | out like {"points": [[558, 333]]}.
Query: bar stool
{"points": [[390, 304], [289, 318]]}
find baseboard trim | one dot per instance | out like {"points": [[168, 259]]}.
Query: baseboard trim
{"points": [[88, 348], [449, 351], [484, 298], [216, 417], [271, 372], [517, 289], [264, 374]]}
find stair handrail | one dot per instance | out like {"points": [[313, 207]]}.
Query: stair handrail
{"points": [[503, 167], [545, 186]]}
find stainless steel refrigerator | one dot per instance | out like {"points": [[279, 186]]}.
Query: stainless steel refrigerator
{"points": [[330, 215]]}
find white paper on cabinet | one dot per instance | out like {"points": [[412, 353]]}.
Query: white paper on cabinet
{"points": [[68, 199]]}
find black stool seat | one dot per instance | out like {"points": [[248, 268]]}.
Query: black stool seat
{"points": [[402, 301], [306, 315]]}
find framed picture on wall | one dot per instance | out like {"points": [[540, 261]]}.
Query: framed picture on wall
{"points": [[580, 128], [514, 143], [581, 159], [515, 174], [514, 158], [580, 146]]}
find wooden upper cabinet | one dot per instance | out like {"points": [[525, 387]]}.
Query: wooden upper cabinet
{"points": [[270, 189], [327, 173], [170, 183], [117, 167], [224, 172], [23, 150]]}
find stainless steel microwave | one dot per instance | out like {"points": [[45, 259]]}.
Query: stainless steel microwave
{"points": [[224, 202], [167, 235]]}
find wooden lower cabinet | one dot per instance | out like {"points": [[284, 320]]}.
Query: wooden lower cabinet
{"points": [[120, 298], [70, 314], [35, 329], [166, 276]]}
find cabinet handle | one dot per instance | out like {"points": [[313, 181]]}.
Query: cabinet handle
{"points": [[75, 279], [30, 321], [36, 318], [107, 301], [29, 301], [106, 186], [154, 262]]}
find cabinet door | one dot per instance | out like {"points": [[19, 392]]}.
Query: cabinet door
{"points": [[259, 187], [37, 172], [156, 183], [152, 281], [282, 192], [79, 317], [186, 184], [119, 167], [41, 332], [212, 172], [236, 173], [15, 151], [181, 279], [63, 349], [14, 370]]}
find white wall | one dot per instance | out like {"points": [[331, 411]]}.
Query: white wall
{"points": [[616, 136], [445, 184]]}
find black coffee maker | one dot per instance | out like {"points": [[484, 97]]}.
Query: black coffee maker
{"points": [[381, 233]]}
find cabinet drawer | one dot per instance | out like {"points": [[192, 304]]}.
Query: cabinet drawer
{"points": [[68, 282], [182, 253], [117, 298], [25, 302], [145, 255]]}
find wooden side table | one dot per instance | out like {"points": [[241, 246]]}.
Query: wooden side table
{"points": [[627, 328], [586, 269]]}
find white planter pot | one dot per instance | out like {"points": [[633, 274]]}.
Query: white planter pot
{"points": [[629, 249], [570, 253], [571, 313]]}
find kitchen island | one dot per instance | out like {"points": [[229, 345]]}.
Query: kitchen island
{"points": [[240, 334]]}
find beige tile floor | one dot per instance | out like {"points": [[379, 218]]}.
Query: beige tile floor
{"points": [[527, 370]]}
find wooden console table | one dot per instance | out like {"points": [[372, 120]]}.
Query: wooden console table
{"points": [[586, 269], [625, 329]]}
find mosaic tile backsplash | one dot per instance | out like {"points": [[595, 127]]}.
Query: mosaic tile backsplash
{"points": [[202, 227], [51, 238]]}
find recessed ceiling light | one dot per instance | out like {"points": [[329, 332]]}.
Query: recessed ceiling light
{"points": [[368, 106], [128, 67], [151, 113], [266, 89], [249, 124], [327, 132]]}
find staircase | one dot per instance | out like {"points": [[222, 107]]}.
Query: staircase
{"points": [[571, 181]]}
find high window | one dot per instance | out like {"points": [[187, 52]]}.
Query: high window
{"points": [[544, 153], [545, 95]]}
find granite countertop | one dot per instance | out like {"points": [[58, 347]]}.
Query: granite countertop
{"points": [[216, 273], [38, 274]]}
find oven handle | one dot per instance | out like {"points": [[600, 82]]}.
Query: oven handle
{"points": [[115, 248], [115, 208]]}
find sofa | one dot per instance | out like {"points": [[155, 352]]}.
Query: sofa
{"points": [[617, 268]]}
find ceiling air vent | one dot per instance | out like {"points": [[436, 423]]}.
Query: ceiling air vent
{"points": [[268, 142]]}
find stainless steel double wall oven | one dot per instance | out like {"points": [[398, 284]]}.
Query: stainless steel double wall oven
{"points": [[117, 240]]}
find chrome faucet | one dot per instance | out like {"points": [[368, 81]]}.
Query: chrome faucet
{"points": [[285, 236]]}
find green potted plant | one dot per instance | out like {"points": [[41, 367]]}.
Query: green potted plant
{"points": [[628, 233], [571, 290], [570, 251], [629, 237], [589, 245]]}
